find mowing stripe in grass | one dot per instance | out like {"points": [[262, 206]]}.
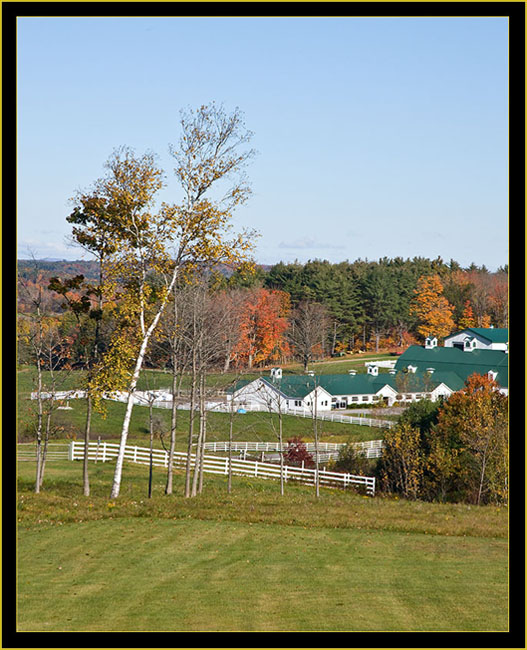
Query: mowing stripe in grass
{"points": [[141, 574]]}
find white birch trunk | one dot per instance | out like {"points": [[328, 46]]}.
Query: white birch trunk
{"points": [[116, 486]]}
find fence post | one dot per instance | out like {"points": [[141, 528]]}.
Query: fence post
{"points": [[104, 452], [256, 468], [135, 454], [97, 450], [71, 453]]}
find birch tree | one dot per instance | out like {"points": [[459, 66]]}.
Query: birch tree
{"points": [[193, 233]]}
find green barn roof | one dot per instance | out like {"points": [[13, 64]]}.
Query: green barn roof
{"points": [[492, 334], [459, 362]]}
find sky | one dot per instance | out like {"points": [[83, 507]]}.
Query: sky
{"points": [[376, 137]]}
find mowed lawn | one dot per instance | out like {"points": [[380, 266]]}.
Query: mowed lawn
{"points": [[251, 560], [140, 574]]}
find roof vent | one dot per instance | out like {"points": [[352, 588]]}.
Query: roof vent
{"points": [[310, 373], [352, 372], [392, 371], [430, 370]]}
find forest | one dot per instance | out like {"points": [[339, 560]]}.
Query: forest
{"points": [[356, 306]]}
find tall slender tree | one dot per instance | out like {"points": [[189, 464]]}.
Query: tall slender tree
{"points": [[153, 246]]}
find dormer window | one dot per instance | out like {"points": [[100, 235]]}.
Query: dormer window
{"points": [[492, 374], [412, 369], [373, 370], [469, 344], [430, 342]]}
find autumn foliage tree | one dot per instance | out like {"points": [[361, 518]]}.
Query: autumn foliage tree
{"points": [[402, 463], [456, 450], [467, 317], [263, 323], [473, 427], [431, 308]]}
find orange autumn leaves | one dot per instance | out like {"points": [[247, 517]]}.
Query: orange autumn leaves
{"points": [[262, 326], [432, 310]]}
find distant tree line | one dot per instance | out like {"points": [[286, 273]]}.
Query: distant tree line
{"points": [[308, 311]]}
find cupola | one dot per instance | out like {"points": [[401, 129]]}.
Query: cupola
{"points": [[430, 342], [276, 373]]}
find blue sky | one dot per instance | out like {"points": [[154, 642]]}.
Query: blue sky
{"points": [[375, 136]]}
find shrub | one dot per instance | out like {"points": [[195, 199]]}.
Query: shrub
{"points": [[351, 460], [296, 453]]}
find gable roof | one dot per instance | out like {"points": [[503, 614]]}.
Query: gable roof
{"points": [[423, 382], [492, 334], [298, 386], [454, 360]]}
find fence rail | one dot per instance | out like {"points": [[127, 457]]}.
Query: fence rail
{"points": [[105, 451], [326, 450], [162, 399], [27, 451]]}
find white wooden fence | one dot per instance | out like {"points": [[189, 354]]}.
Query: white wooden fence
{"points": [[329, 416], [27, 451], [326, 450], [105, 451], [162, 399]]}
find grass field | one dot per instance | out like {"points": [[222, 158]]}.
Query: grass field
{"points": [[251, 560], [248, 426]]}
